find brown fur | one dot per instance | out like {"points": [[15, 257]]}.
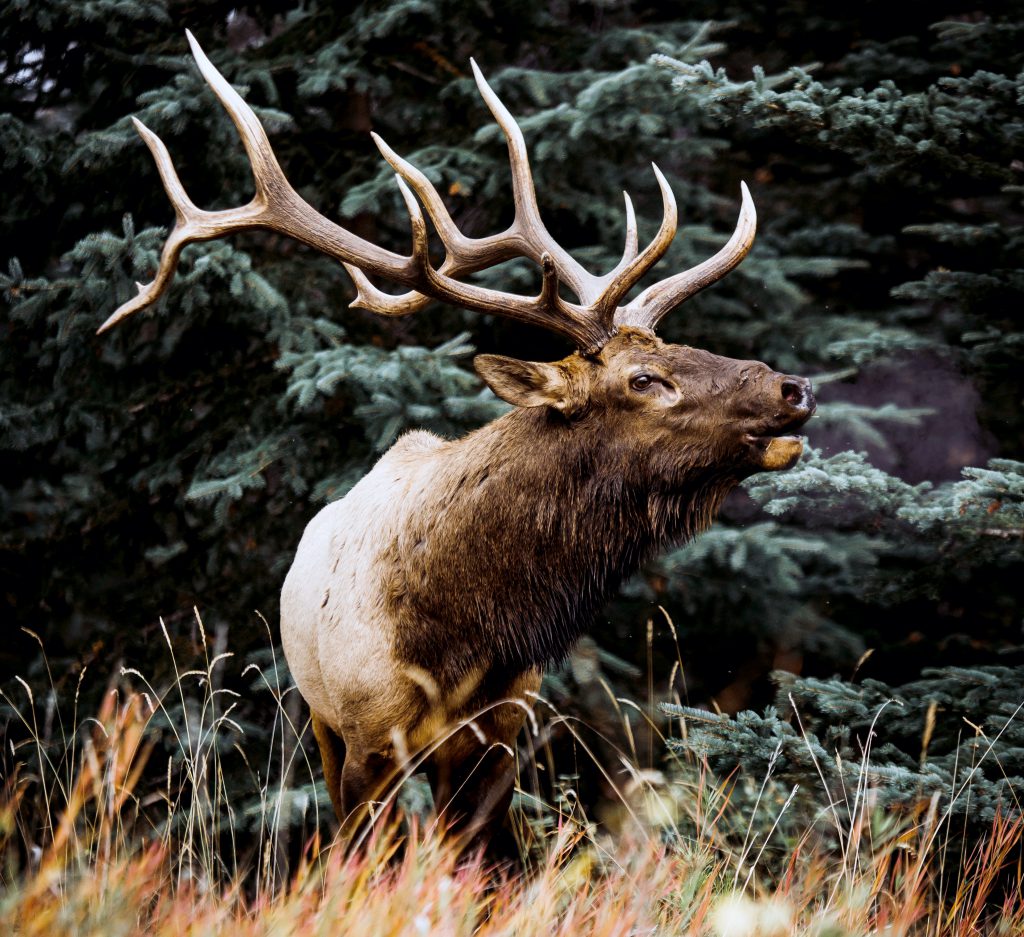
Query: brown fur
{"points": [[456, 570]]}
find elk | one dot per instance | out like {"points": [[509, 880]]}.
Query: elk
{"points": [[435, 592]]}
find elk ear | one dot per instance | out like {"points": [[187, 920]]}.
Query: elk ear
{"points": [[524, 383]]}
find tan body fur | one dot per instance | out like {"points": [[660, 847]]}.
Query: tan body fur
{"points": [[340, 641], [338, 636]]}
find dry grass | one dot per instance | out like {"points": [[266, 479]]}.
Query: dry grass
{"points": [[87, 850]]}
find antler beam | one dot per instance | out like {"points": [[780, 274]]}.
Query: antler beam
{"points": [[278, 207]]}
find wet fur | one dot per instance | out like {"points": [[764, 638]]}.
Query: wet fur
{"points": [[536, 521], [456, 570]]}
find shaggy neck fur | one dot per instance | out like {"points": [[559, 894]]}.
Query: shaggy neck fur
{"points": [[539, 522]]}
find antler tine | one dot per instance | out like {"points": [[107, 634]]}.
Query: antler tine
{"points": [[534, 237], [454, 240], [188, 219], [276, 205], [387, 304], [266, 171], [632, 235], [464, 254], [535, 310], [621, 280], [653, 303]]}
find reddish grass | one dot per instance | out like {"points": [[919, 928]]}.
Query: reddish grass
{"points": [[86, 852]]}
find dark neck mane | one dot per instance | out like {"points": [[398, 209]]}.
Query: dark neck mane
{"points": [[538, 523]]}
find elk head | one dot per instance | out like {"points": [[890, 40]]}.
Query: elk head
{"points": [[681, 406], [662, 399]]}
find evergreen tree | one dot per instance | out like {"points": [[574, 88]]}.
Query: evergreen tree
{"points": [[951, 739], [913, 145], [176, 460]]}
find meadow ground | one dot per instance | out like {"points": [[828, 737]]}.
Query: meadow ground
{"points": [[90, 844]]}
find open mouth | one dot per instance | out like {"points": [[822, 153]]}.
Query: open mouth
{"points": [[778, 447], [762, 442], [762, 438]]}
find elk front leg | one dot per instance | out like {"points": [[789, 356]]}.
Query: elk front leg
{"points": [[355, 778], [472, 794], [472, 775], [365, 779]]}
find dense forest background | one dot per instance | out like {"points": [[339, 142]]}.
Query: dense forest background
{"points": [[174, 462]]}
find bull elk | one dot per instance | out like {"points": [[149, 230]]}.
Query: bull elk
{"points": [[441, 585]]}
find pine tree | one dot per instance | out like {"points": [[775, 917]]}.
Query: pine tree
{"points": [[175, 461], [913, 144], [950, 739]]}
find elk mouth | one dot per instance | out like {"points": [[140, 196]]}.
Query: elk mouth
{"points": [[778, 448]]}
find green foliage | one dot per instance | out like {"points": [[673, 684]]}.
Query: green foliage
{"points": [[913, 149], [954, 734], [175, 460], [950, 147]]}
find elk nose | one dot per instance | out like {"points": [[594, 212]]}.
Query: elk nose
{"points": [[796, 391]]}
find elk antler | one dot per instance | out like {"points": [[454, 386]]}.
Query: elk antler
{"points": [[653, 303], [278, 207]]}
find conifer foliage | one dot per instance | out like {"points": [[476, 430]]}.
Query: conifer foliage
{"points": [[916, 139], [175, 460]]}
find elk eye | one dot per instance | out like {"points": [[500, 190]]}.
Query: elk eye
{"points": [[641, 382]]}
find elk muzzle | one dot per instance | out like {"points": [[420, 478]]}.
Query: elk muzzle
{"points": [[776, 444]]}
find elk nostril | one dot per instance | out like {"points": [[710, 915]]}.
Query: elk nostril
{"points": [[793, 393]]}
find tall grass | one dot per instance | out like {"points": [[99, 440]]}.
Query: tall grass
{"points": [[91, 844]]}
